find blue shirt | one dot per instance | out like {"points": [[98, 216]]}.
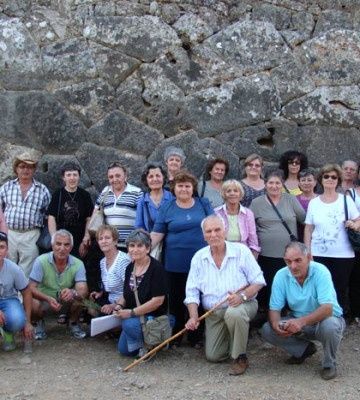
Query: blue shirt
{"points": [[318, 289], [183, 234], [145, 202]]}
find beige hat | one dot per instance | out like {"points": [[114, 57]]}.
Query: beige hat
{"points": [[26, 158]]}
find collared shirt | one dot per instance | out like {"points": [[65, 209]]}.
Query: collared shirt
{"points": [[246, 224], [145, 203], [238, 268], [317, 289], [120, 211], [45, 273], [12, 279], [27, 213]]}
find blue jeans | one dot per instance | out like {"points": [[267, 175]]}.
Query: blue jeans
{"points": [[131, 338], [14, 313]]}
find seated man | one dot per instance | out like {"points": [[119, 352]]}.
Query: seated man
{"points": [[217, 271], [13, 318], [307, 288], [57, 279]]}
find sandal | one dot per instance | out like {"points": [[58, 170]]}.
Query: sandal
{"points": [[62, 319]]}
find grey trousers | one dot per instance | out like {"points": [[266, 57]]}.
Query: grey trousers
{"points": [[329, 332], [227, 331]]}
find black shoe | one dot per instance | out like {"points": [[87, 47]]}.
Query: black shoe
{"points": [[328, 373], [309, 351]]}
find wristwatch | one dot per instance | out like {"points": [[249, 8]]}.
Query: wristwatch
{"points": [[243, 295], [132, 313]]}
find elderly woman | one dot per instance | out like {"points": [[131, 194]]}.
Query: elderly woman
{"points": [[253, 184], [120, 200], [154, 178], [71, 208], [217, 169], [174, 159], [148, 275], [239, 221], [112, 267], [178, 223], [291, 162], [272, 234], [325, 234]]}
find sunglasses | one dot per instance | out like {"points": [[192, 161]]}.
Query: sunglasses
{"points": [[115, 164], [294, 162], [3, 236], [333, 177], [253, 165]]}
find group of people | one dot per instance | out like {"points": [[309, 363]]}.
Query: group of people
{"points": [[182, 247]]}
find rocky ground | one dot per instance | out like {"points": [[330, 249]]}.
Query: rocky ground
{"points": [[62, 367]]}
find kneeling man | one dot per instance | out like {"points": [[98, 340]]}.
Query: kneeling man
{"points": [[57, 280], [308, 290], [216, 272]]}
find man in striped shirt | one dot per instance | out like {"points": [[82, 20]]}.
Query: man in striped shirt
{"points": [[24, 202], [218, 271]]}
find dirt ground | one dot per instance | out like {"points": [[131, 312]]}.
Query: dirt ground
{"points": [[62, 367]]}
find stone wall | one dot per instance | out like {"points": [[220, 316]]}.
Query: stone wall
{"points": [[99, 81]]}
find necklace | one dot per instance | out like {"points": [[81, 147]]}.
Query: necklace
{"points": [[72, 197]]}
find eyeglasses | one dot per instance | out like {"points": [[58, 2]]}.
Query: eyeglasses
{"points": [[333, 177], [3, 236], [25, 166], [294, 162], [253, 165]]}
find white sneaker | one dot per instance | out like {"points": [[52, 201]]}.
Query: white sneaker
{"points": [[77, 332]]}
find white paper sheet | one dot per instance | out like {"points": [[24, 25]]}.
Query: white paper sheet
{"points": [[103, 324]]}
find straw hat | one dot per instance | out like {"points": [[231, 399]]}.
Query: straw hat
{"points": [[26, 158]]}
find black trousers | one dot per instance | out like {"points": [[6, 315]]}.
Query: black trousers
{"points": [[340, 269]]}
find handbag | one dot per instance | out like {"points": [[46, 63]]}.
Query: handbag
{"points": [[98, 218], [354, 236], [44, 240], [293, 238], [156, 329]]}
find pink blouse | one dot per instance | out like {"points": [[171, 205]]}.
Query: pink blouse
{"points": [[246, 223]]}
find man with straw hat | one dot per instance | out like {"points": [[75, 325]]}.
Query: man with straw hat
{"points": [[24, 201], [216, 272]]}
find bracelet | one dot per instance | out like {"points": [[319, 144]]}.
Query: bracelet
{"points": [[118, 304], [75, 293]]}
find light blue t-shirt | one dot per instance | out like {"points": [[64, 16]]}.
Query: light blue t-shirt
{"points": [[318, 289], [12, 279]]}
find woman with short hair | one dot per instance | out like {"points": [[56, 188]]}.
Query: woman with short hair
{"points": [[253, 183], [239, 221]]}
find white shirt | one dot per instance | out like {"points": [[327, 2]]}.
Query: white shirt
{"points": [[238, 268], [329, 238]]}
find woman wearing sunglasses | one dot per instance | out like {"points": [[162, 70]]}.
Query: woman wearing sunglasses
{"points": [[291, 162], [325, 234]]}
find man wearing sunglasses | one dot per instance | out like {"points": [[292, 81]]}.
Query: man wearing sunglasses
{"points": [[13, 315], [24, 201]]}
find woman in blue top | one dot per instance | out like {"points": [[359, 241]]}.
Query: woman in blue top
{"points": [[154, 178], [178, 223]]}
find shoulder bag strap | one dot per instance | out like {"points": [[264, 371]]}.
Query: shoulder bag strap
{"points": [[151, 222], [352, 194], [279, 215], [203, 187], [346, 209], [58, 211], [104, 198], [142, 319], [286, 189]]}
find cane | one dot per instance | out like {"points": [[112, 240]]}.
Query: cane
{"points": [[164, 343]]}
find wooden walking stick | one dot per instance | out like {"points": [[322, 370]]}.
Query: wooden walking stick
{"points": [[165, 342]]}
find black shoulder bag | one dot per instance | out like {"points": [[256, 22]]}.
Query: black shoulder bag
{"points": [[354, 236]]}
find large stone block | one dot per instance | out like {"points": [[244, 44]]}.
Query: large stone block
{"points": [[253, 46], [192, 29], [119, 131], [36, 118], [70, 60], [144, 38], [280, 17], [327, 105], [332, 58], [244, 101], [20, 58], [332, 19], [291, 81], [89, 101], [113, 66], [95, 160], [329, 144]]}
